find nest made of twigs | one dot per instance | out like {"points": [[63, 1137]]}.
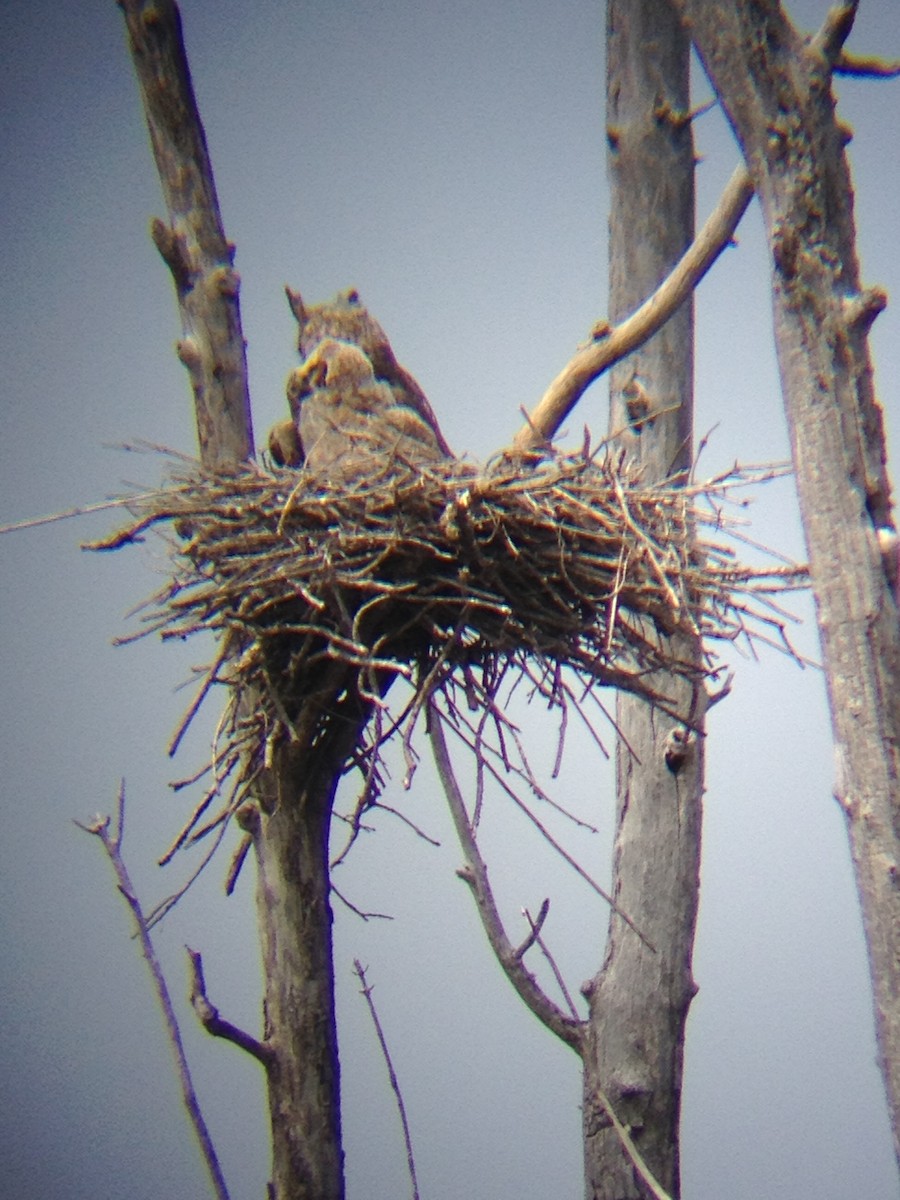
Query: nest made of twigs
{"points": [[448, 572]]}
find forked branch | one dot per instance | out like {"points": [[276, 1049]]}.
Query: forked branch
{"points": [[112, 844], [213, 1023], [474, 873]]}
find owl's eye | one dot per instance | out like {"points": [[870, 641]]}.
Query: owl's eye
{"points": [[353, 296]]}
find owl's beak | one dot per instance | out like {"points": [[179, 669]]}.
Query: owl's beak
{"points": [[303, 381]]}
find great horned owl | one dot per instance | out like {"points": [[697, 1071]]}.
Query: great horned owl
{"points": [[346, 319], [348, 419]]}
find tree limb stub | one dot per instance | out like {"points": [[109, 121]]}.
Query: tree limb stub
{"points": [[863, 65], [213, 1022], [192, 242], [591, 361]]}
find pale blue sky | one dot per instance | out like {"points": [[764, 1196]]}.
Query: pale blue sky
{"points": [[448, 160]]}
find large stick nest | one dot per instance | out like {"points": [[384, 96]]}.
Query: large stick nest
{"points": [[447, 575]]}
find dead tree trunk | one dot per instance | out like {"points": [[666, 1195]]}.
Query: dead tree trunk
{"points": [[290, 816], [290, 831], [193, 242], [775, 87], [639, 999]]}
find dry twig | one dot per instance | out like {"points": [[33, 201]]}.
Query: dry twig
{"points": [[392, 1074], [112, 844], [567, 574]]}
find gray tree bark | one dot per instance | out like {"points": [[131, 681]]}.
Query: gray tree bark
{"points": [[775, 87], [290, 829], [639, 999], [290, 816], [193, 242]]}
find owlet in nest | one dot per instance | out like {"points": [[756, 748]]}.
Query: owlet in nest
{"points": [[346, 320], [349, 421]]}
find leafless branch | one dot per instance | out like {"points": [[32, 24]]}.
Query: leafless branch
{"points": [[477, 750], [81, 511], [392, 1074], [209, 679], [536, 924], [657, 1191], [209, 1017], [359, 912], [831, 40], [237, 861], [612, 344], [112, 844], [867, 66], [536, 927], [474, 873]]}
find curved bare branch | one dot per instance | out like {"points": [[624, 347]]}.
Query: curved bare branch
{"points": [[614, 343], [474, 873]]}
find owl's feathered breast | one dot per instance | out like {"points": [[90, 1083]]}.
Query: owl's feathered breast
{"points": [[348, 420]]}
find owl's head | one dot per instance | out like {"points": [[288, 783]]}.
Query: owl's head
{"points": [[333, 364]]}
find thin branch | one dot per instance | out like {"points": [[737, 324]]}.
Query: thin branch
{"points": [[657, 1191], [392, 1075], [209, 679], [237, 862], [81, 511], [615, 343], [112, 844], [867, 66], [474, 873], [359, 912], [536, 926], [543, 830], [209, 1018]]}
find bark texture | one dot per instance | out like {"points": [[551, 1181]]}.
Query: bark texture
{"points": [[192, 241], [290, 829], [639, 999], [290, 815], [775, 87]]}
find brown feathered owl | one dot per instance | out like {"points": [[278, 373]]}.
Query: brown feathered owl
{"points": [[349, 422], [346, 319]]}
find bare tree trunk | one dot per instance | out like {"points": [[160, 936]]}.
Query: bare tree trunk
{"points": [[193, 242], [291, 817], [776, 89], [290, 831], [639, 999]]}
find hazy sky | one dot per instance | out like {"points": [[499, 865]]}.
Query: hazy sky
{"points": [[448, 160]]}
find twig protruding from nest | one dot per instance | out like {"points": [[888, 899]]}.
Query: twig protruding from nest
{"points": [[448, 576]]}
